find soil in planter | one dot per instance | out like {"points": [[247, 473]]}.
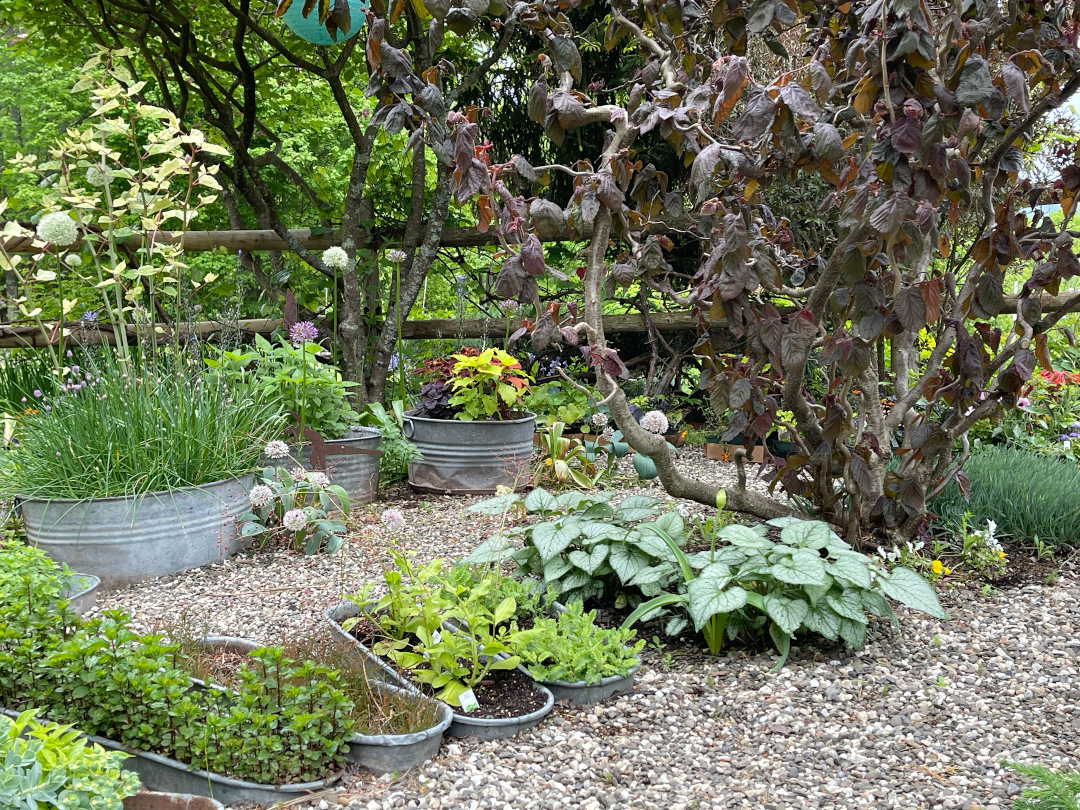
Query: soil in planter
{"points": [[502, 693]]}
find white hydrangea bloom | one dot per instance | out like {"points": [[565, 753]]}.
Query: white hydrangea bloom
{"points": [[335, 258], [655, 422], [294, 520], [260, 495], [58, 228], [276, 449]]}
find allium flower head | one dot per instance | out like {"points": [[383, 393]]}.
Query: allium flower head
{"points": [[276, 449], [335, 258], [294, 520], [95, 176], [58, 228], [608, 433], [509, 306], [260, 495], [599, 420], [655, 422], [393, 519], [396, 256], [303, 332], [298, 473], [73, 260], [318, 479]]}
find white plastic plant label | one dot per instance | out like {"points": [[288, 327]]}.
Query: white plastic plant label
{"points": [[468, 701], [436, 637]]}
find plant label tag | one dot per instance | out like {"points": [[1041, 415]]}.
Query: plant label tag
{"points": [[468, 701], [436, 637], [1067, 443]]}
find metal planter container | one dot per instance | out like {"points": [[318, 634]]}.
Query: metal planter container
{"points": [[356, 473], [580, 693], [498, 728], [163, 774], [469, 458], [375, 666], [80, 592], [378, 753], [148, 800], [127, 539]]}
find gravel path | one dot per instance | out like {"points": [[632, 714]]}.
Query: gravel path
{"points": [[918, 719]]}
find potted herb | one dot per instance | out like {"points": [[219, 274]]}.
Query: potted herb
{"points": [[470, 424], [444, 639], [137, 468], [290, 375]]}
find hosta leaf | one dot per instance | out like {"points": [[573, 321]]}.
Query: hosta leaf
{"points": [[908, 588], [743, 537], [540, 500], [627, 561], [556, 567], [787, 613], [552, 538], [854, 633], [707, 598], [805, 534], [824, 621], [652, 574], [801, 568], [851, 568], [847, 603], [589, 562]]}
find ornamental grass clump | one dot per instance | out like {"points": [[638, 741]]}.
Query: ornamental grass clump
{"points": [[122, 428]]}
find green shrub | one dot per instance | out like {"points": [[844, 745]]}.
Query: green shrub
{"points": [[128, 429], [1030, 496], [1053, 790], [284, 721], [45, 765]]}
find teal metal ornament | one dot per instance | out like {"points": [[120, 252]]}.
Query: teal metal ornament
{"points": [[309, 28]]}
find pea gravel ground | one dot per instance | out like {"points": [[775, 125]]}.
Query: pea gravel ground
{"points": [[918, 719]]}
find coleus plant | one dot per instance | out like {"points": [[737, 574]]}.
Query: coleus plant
{"points": [[473, 385]]}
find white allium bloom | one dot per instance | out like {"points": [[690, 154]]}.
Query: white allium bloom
{"points": [[298, 473], [318, 479], [276, 449], [294, 520], [599, 420], [73, 260], [58, 228], [335, 258], [260, 495], [655, 422], [394, 520], [608, 433], [396, 256], [95, 176]]}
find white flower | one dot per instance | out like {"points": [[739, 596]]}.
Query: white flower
{"points": [[655, 422], [73, 260], [394, 520], [58, 228], [396, 256], [276, 449], [294, 520], [599, 420], [298, 473], [335, 258], [95, 176], [260, 495], [318, 479], [608, 433]]}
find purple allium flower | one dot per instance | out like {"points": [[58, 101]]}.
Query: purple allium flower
{"points": [[303, 332], [394, 520], [37, 392]]}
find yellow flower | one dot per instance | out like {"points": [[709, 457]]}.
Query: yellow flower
{"points": [[948, 571], [937, 567], [1001, 555]]}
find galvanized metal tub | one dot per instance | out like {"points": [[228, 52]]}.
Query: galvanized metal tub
{"points": [[498, 728], [469, 458], [374, 665], [149, 800], [127, 539], [378, 753], [80, 591], [580, 693], [356, 473]]}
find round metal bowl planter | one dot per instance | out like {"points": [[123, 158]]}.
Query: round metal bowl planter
{"points": [[127, 539], [378, 753], [373, 665], [167, 775], [469, 458], [356, 473], [149, 800], [580, 693], [499, 728], [80, 592]]}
